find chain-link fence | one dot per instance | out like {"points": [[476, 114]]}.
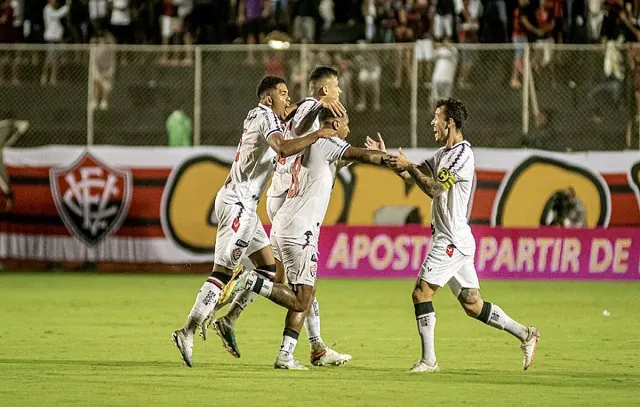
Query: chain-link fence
{"points": [[46, 85], [541, 96]]}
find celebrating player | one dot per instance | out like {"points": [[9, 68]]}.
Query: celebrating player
{"points": [[447, 179], [295, 230], [325, 91], [240, 231]]}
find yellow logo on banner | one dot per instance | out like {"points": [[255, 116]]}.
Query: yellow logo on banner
{"points": [[529, 188]]}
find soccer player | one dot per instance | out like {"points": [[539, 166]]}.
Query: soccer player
{"points": [[295, 230], [325, 90], [239, 229], [447, 179]]}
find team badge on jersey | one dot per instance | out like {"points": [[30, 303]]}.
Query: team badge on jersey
{"points": [[314, 265], [446, 178], [236, 254], [449, 250], [92, 198]]}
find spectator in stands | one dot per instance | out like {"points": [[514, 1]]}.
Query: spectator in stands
{"points": [[185, 14], [179, 129], [175, 23], [252, 17], [521, 28], [121, 21], [443, 19], [53, 32], [566, 210], [98, 12], [325, 11], [342, 63], [33, 25], [210, 20], [305, 13], [369, 13], [609, 91], [576, 28], [494, 21], [78, 22], [104, 67], [280, 10], [444, 72], [402, 33], [369, 71], [7, 36], [468, 34]]}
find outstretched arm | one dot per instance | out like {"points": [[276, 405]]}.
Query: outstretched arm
{"points": [[286, 148], [365, 156], [307, 121], [427, 184]]}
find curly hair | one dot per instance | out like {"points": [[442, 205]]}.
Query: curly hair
{"points": [[454, 109]]}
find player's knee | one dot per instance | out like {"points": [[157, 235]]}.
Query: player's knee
{"points": [[420, 294], [471, 301]]}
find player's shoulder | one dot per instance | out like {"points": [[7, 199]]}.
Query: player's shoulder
{"points": [[304, 108]]}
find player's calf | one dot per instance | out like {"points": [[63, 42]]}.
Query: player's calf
{"points": [[297, 301]]}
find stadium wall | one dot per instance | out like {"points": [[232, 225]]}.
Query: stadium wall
{"points": [[145, 206]]}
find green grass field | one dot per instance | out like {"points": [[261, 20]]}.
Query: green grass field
{"points": [[105, 339]]}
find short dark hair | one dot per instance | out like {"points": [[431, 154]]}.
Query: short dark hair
{"points": [[268, 83], [322, 72], [326, 115], [454, 109]]}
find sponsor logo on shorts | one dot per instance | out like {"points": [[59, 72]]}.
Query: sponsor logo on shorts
{"points": [[236, 222], [449, 250], [236, 254], [241, 243]]}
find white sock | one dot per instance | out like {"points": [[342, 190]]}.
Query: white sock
{"points": [[258, 285], [205, 302], [426, 320], [499, 319], [312, 325], [240, 302], [288, 346]]}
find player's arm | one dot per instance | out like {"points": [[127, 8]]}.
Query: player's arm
{"points": [[365, 156], [286, 148], [305, 123], [430, 186], [379, 145]]}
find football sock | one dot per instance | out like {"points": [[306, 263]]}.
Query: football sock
{"points": [[258, 285], [312, 325], [206, 300], [244, 298], [288, 346], [426, 319], [494, 316]]}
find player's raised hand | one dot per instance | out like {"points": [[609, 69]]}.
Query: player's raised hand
{"points": [[334, 105], [371, 144], [399, 161], [326, 133]]}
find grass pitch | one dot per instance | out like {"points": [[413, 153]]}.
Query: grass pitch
{"points": [[105, 340]]}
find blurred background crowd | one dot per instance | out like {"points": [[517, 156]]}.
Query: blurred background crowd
{"points": [[319, 21]]}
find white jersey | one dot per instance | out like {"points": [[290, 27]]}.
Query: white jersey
{"points": [[300, 217], [449, 222], [255, 159], [282, 176]]}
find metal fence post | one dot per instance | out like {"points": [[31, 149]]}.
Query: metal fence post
{"points": [[414, 97], [197, 97], [526, 79], [304, 67], [90, 97]]}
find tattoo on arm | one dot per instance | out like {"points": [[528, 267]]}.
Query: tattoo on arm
{"points": [[364, 156], [427, 184]]}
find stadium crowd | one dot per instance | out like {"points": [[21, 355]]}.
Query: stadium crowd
{"points": [[326, 21]]}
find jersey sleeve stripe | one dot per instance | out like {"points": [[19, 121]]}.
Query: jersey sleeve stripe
{"points": [[346, 145], [460, 154], [271, 132]]}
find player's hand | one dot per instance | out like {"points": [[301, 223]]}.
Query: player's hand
{"points": [[399, 161], [326, 133], [335, 106], [371, 144]]}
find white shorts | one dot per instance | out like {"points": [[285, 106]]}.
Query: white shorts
{"points": [[442, 26], [274, 203], [240, 231], [300, 262], [446, 264]]}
